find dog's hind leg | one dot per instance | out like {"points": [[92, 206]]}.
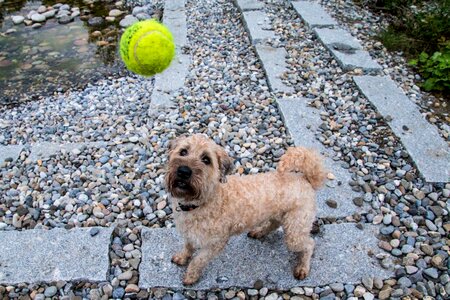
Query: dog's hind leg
{"points": [[181, 258], [201, 259], [264, 229], [297, 226]]}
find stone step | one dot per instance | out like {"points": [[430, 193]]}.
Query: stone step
{"points": [[343, 254], [246, 5], [44, 150], [302, 121], [10, 152], [427, 149], [175, 19], [258, 26], [173, 78], [273, 61], [346, 49], [35, 256], [313, 14], [169, 81]]}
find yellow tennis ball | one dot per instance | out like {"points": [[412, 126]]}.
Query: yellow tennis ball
{"points": [[147, 47]]}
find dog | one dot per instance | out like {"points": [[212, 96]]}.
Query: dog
{"points": [[209, 206]]}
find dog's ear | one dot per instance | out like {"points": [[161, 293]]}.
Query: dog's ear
{"points": [[225, 164]]}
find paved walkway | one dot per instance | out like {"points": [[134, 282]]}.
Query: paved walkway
{"points": [[344, 253]]}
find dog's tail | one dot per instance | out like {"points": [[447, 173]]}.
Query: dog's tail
{"points": [[306, 161]]}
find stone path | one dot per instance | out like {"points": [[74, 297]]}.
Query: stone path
{"points": [[10, 152], [171, 80], [338, 257], [344, 252], [302, 121], [78, 254], [422, 140]]}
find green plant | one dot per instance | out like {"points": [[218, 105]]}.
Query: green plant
{"points": [[435, 69]]}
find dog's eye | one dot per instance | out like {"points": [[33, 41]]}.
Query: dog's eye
{"points": [[183, 152], [206, 160]]}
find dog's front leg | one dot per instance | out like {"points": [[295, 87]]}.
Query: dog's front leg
{"points": [[199, 262], [181, 258]]}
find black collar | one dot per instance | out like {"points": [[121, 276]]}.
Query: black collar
{"points": [[186, 207]]}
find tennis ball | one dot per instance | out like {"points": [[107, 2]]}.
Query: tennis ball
{"points": [[147, 47]]}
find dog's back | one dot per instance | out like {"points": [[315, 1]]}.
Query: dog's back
{"points": [[306, 161]]}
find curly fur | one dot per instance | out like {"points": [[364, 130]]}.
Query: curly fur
{"points": [[257, 203]]}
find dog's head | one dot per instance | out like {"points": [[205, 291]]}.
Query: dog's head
{"points": [[196, 167]]}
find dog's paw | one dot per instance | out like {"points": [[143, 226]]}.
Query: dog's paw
{"points": [[256, 234], [190, 279], [179, 259], [301, 272]]}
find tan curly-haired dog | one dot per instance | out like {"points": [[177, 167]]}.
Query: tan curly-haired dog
{"points": [[209, 207]]}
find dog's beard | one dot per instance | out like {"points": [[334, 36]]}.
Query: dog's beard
{"points": [[179, 188]]}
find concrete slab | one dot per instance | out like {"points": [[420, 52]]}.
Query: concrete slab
{"points": [[170, 5], [302, 122], [341, 255], [351, 59], [175, 20], [169, 81], [313, 14], [258, 26], [35, 256], [10, 152], [337, 37], [46, 149], [427, 149], [274, 63], [246, 5]]}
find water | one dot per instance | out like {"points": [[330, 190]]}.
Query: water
{"points": [[55, 57]]}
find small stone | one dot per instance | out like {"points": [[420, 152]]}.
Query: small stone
{"points": [[128, 21], [411, 269], [17, 19], [50, 291], [407, 249], [404, 282], [337, 287], [94, 231], [385, 293], [115, 13], [437, 261], [125, 275], [368, 296], [132, 288], [273, 296], [65, 19], [252, 292], [359, 291], [38, 18], [331, 203], [118, 293], [431, 272], [430, 225], [368, 282], [427, 249]]}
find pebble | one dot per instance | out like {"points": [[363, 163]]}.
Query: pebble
{"points": [[50, 291], [431, 272]]}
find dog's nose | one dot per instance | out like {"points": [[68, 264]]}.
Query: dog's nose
{"points": [[184, 172]]}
